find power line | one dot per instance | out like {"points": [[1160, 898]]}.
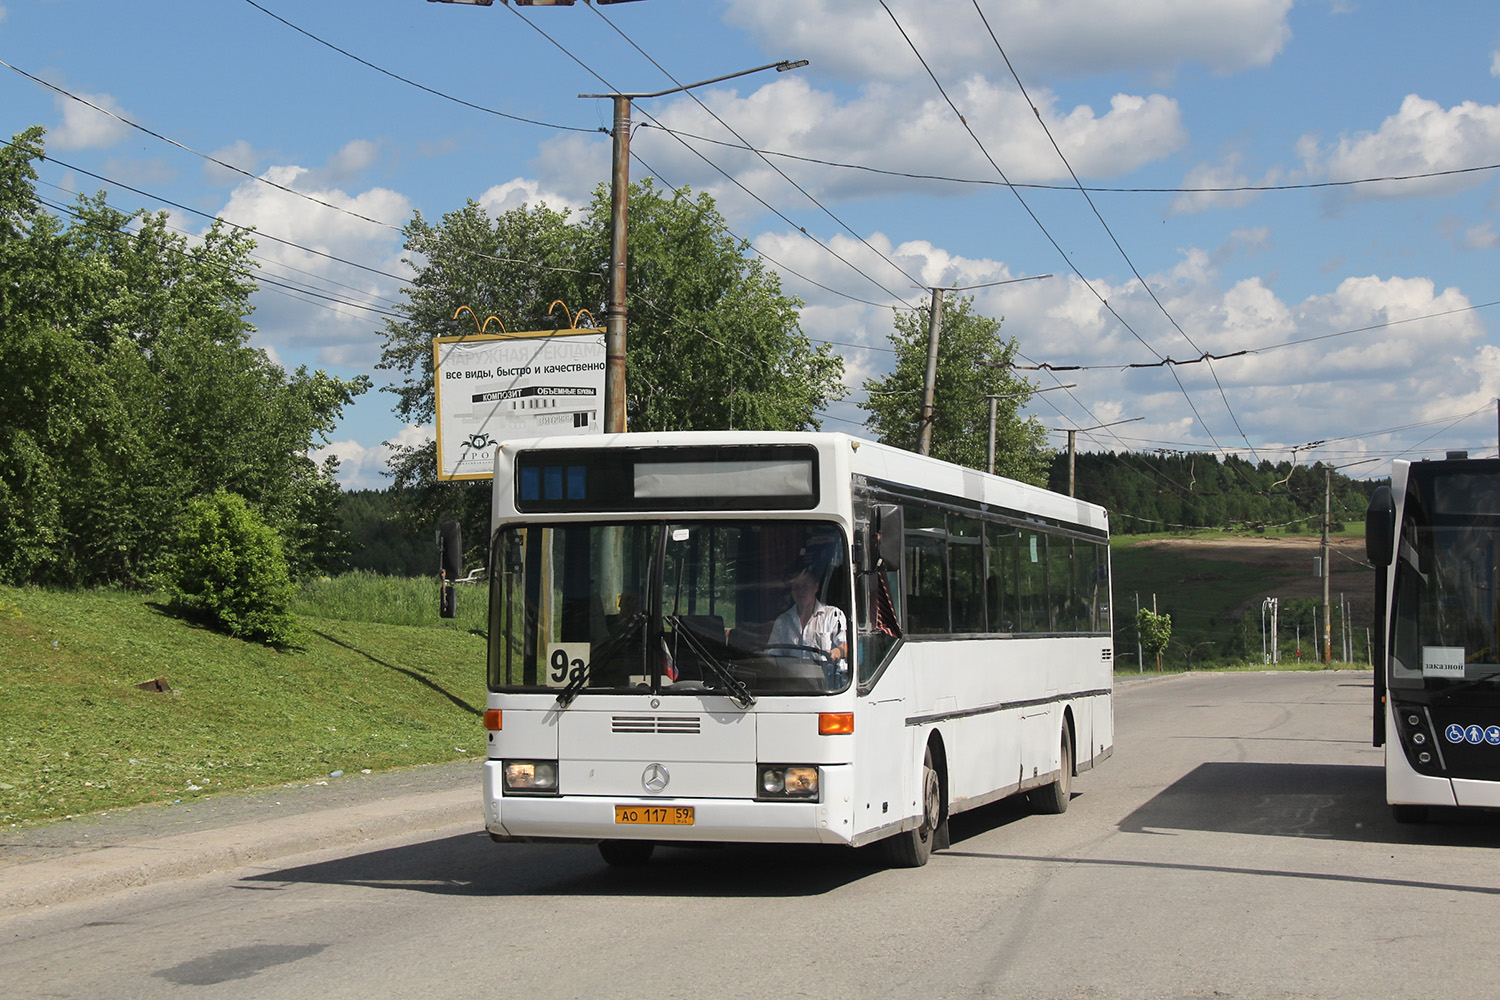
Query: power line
{"points": [[1091, 188], [1110, 232], [413, 83], [826, 211], [761, 201]]}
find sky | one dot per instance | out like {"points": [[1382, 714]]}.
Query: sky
{"points": [[1252, 227]]}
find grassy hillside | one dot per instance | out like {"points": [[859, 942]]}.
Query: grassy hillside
{"points": [[1213, 586], [81, 736]]}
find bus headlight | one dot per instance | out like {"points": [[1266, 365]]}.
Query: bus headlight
{"points": [[787, 781], [534, 777]]}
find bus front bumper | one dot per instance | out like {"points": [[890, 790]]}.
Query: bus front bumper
{"points": [[715, 820]]}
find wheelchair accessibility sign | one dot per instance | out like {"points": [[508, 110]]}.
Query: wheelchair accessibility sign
{"points": [[1473, 735]]}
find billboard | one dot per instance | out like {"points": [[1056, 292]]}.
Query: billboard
{"points": [[496, 387]]}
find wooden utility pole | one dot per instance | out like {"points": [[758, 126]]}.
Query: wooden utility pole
{"points": [[1327, 508], [619, 197]]}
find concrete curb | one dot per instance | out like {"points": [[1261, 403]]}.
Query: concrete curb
{"points": [[111, 868]]}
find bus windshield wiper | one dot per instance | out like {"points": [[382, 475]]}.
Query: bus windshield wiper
{"points": [[737, 690], [602, 652]]}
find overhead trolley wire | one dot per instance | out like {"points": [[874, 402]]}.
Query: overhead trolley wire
{"points": [[1110, 232], [770, 208], [783, 174]]}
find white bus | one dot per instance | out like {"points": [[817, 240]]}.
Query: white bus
{"points": [[783, 638], [1433, 536]]}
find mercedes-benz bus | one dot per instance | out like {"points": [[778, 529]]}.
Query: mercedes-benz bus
{"points": [[1433, 536], [783, 638]]}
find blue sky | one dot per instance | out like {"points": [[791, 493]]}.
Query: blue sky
{"points": [[1236, 156]]}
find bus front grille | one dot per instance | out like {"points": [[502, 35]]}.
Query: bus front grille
{"points": [[651, 724]]}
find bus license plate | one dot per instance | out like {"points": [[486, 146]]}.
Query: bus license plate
{"points": [[658, 815]]}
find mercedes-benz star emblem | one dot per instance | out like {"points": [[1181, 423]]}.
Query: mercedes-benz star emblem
{"points": [[655, 778]]}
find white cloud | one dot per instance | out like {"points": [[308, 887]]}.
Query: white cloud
{"points": [[363, 467], [85, 128], [1411, 341], [237, 154], [860, 41], [1421, 137], [1225, 174], [901, 131], [521, 192], [308, 234]]}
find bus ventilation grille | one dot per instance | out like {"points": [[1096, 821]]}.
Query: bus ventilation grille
{"points": [[688, 724], [1107, 655]]}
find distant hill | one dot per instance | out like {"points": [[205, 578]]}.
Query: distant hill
{"points": [[1215, 587]]}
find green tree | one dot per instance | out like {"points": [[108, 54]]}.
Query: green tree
{"points": [[1154, 632], [973, 362], [132, 388], [712, 342]]}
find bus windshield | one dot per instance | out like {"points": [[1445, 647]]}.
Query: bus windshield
{"points": [[742, 608], [1446, 602]]}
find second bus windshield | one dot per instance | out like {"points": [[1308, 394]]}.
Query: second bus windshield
{"points": [[674, 607]]}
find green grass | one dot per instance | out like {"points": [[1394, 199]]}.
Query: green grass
{"points": [[80, 736]]}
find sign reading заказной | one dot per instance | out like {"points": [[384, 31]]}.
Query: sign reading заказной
{"points": [[496, 387]]}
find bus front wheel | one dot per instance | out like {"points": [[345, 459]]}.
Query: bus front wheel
{"points": [[1053, 798], [626, 853], [912, 848]]}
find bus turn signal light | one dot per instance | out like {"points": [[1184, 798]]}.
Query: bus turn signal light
{"points": [[835, 723], [492, 720]]}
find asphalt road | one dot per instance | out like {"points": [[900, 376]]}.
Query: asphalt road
{"points": [[1236, 845]]}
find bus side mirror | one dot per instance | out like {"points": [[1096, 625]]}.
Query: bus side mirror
{"points": [[890, 536], [1380, 527], [451, 561]]}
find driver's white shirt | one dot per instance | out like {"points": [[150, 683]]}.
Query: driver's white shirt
{"points": [[825, 629]]}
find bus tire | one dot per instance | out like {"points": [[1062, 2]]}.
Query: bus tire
{"points": [[626, 853], [1405, 812], [1053, 799], [912, 848]]}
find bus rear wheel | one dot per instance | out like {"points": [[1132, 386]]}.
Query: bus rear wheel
{"points": [[626, 853], [1053, 798], [912, 848]]}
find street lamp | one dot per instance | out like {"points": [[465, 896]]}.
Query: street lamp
{"points": [[619, 195]]}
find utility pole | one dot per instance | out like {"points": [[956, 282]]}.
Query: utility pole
{"points": [[994, 398], [1327, 509], [929, 380], [619, 196], [1072, 451]]}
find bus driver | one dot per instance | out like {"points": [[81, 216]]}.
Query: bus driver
{"points": [[812, 625]]}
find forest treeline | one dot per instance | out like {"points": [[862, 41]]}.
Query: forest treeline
{"points": [[1144, 493], [1148, 492]]}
